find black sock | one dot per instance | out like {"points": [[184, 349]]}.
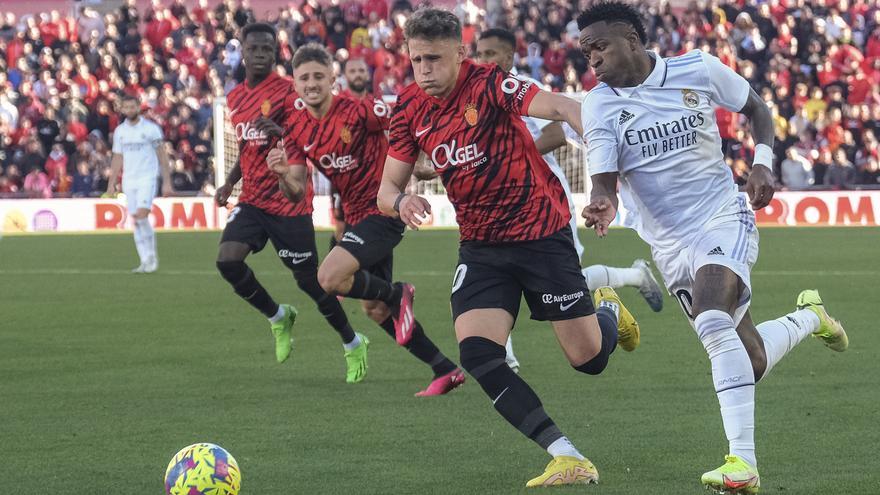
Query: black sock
{"points": [[245, 284], [372, 288], [327, 304], [512, 397], [608, 327], [421, 347]]}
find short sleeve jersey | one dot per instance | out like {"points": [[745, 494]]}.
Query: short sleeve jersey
{"points": [[273, 98], [662, 138], [348, 145], [137, 144], [498, 183]]}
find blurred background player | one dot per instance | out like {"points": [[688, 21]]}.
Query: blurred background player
{"points": [[514, 225], [139, 153], [497, 46], [263, 212], [357, 81], [345, 137], [651, 122]]}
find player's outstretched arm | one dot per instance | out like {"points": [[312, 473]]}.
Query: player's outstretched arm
{"points": [[392, 198], [552, 137], [553, 106], [292, 178], [165, 166], [761, 184], [603, 203], [115, 168]]}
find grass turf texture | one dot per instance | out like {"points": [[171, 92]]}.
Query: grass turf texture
{"points": [[104, 375]]}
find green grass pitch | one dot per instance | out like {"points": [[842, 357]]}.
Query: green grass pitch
{"points": [[104, 375]]}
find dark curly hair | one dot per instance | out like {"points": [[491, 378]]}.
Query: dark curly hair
{"points": [[258, 27], [612, 11]]}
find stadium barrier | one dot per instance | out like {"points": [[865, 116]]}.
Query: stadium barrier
{"points": [[851, 208]]}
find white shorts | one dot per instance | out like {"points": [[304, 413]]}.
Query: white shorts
{"points": [[139, 194], [729, 239]]}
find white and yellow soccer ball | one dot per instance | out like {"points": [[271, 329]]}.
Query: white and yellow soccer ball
{"points": [[202, 469]]}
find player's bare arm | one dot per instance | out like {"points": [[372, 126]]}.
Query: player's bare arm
{"points": [[292, 179], [423, 169], [165, 167], [392, 198], [551, 106], [603, 203], [552, 137], [761, 184], [221, 196], [269, 127], [115, 168]]}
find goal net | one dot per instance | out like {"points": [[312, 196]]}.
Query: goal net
{"points": [[570, 158]]}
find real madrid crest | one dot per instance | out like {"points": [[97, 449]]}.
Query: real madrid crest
{"points": [[690, 97], [345, 135], [470, 114], [266, 107]]}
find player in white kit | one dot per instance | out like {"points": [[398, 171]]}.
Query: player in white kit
{"points": [[650, 125], [497, 46], [139, 152]]}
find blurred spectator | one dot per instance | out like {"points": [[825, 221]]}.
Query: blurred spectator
{"points": [[37, 184], [842, 174], [797, 171], [83, 181]]}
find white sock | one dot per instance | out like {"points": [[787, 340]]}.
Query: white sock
{"points": [[148, 238], [139, 242], [782, 334], [563, 446], [734, 380], [356, 341], [609, 276], [509, 348], [279, 315]]}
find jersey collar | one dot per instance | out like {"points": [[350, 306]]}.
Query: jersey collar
{"points": [[657, 77]]}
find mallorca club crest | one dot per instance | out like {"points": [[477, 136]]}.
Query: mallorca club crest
{"points": [[470, 114], [345, 134], [690, 98], [266, 107]]}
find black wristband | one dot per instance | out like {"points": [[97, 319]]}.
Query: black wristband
{"points": [[397, 202]]}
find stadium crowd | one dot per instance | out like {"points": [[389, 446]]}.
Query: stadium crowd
{"points": [[816, 63]]}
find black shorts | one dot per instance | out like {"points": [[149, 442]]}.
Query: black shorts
{"points": [[546, 271], [372, 241], [293, 237]]}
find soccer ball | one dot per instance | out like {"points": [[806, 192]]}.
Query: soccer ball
{"points": [[202, 469]]}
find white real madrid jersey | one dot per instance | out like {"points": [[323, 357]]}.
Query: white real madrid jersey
{"points": [[137, 144], [662, 138], [536, 125]]}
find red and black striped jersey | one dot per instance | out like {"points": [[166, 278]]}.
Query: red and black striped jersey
{"points": [[347, 145], [274, 98], [500, 186]]}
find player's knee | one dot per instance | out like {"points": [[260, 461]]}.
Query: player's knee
{"points": [[327, 280], [758, 358], [480, 355], [595, 365], [376, 310], [232, 271]]}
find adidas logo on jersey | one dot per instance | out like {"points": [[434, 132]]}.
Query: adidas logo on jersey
{"points": [[625, 117], [716, 252]]}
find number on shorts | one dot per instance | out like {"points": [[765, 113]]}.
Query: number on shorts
{"points": [[458, 278], [380, 108], [686, 301], [232, 214]]}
